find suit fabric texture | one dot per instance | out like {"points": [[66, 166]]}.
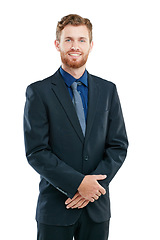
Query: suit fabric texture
{"points": [[57, 149], [83, 229]]}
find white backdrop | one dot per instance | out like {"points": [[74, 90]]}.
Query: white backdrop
{"points": [[126, 51]]}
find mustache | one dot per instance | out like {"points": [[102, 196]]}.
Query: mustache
{"points": [[75, 51]]}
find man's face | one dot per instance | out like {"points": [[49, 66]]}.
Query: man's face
{"points": [[74, 46]]}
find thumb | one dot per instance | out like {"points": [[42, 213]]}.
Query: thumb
{"points": [[100, 177]]}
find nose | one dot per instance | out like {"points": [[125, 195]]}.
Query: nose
{"points": [[75, 46]]}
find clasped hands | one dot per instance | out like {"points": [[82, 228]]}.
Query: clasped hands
{"points": [[88, 191]]}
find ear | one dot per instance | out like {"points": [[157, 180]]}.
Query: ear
{"points": [[91, 46], [56, 43]]}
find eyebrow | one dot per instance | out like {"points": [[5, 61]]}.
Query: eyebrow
{"points": [[78, 38], [83, 38]]}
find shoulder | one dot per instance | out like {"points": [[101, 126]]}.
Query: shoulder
{"points": [[42, 85], [102, 82]]}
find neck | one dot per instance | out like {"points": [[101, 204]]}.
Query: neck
{"points": [[75, 72]]}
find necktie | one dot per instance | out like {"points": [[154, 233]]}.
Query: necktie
{"points": [[77, 102]]}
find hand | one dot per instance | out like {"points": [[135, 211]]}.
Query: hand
{"points": [[76, 202], [90, 189]]}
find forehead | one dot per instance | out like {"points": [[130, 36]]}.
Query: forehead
{"points": [[75, 31]]}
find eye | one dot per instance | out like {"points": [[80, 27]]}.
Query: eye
{"points": [[68, 40], [82, 40]]}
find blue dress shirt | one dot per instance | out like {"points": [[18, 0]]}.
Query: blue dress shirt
{"points": [[82, 89]]}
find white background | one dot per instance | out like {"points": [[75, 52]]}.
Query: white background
{"points": [[126, 52]]}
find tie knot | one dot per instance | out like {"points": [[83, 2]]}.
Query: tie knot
{"points": [[74, 86]]}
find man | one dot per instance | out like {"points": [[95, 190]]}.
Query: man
{"points": [[75, 138]]}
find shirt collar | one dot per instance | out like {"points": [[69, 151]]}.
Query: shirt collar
{"points": [[69, 79]]}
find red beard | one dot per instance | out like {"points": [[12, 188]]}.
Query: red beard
{"points": [[73, 63]]}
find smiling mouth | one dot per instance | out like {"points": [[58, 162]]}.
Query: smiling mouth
{"points": [[75, 54]]}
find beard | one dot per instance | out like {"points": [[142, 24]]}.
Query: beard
{"points": [[73, 63]]}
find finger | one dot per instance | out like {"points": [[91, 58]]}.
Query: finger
{"points": [[91, 199], [102, 190], [84, 204], [100, 177], [98, 193], [95, 197], [78, 204], [71, 199], [68, 201], [74, 202]]}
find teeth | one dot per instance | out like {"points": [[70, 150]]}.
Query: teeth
{"points": [[75, 54]]}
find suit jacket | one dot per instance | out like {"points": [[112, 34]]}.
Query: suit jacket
{"points": [[58, 151]]}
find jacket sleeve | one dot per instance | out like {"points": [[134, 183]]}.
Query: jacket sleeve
{"points": [[38, 151], [116, 142]]}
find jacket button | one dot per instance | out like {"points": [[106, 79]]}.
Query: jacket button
{"points": [[86, 158]]}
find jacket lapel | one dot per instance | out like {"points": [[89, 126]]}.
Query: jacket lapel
{"points": [[61, 91], [92, 104]]}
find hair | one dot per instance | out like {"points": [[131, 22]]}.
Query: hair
{"points": [[74, 20]]}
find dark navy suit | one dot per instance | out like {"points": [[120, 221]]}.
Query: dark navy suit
{"points": [[58, 151]]}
